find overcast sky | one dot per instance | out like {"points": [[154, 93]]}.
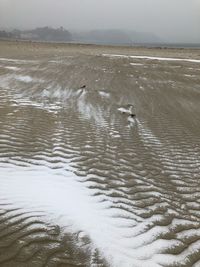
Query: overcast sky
{"points": [[172, 20]]}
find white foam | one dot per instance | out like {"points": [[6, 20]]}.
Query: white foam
{"points": [[154, 58], [104, 94], [65, 199], [25, 79], [189, 75], [12, 68], [136, 64], [90, 111], [54, 61], [15, 60]]}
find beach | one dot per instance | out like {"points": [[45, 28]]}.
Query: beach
{"points": [[99, 156]]}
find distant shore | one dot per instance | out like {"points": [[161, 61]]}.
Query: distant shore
{"points": [[25, 48]]}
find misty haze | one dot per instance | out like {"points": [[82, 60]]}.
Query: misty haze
{"points": [[99, 133], [175, 21]]}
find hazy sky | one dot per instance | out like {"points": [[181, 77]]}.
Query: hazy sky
{"points": [[172, 20]]}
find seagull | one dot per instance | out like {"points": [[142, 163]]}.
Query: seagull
{"points": [[127, 109]]}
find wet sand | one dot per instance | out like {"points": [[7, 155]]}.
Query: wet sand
{"points": [[84, 183]]}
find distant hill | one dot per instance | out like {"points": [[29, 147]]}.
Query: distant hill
{"points": [[47, 34], [119, 37], [110, 37], [5, 34], [39, 34]]}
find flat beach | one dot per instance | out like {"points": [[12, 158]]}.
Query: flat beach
{"points": [[99, 156]]}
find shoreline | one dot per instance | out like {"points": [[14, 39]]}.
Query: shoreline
{"points": [[34, 48], [134, 45]]}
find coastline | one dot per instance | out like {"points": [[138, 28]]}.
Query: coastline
{"points": [[34, 49]]}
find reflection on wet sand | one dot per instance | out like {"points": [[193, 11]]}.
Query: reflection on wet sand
{"points": [[84, 183]]}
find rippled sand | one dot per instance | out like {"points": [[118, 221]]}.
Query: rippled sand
{"points": [[83, 183]]}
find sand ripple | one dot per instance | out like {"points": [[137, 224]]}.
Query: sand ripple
{"points": [[82, 184]]}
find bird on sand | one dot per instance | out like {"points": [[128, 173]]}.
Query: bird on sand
{"points": [[127, 109]]}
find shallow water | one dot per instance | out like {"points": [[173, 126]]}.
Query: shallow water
{"points": [[83, 184]]}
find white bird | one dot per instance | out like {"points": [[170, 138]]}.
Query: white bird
{"points": [[127, 109]]}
